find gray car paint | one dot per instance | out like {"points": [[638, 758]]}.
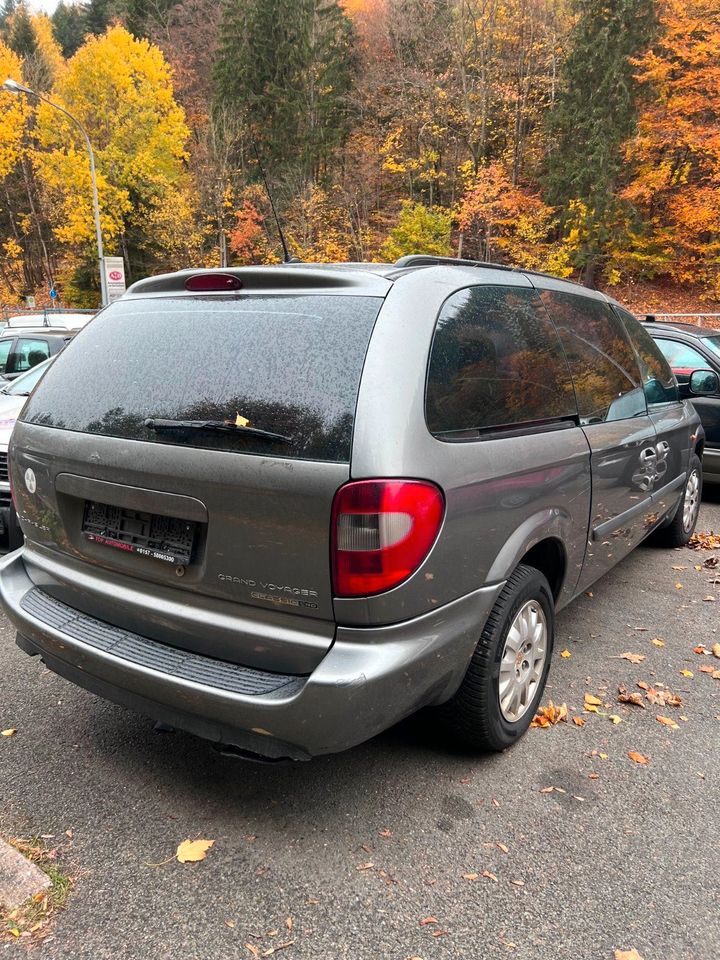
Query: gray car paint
{"points": [[581, 487]]}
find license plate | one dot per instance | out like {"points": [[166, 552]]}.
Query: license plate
{"points": [[133, 531]]}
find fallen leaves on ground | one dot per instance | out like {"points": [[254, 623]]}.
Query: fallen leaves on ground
{"points": [[658, 641], [632, 657], [687, 673], [192, 851], [549, 715], [10, 732], [667, 721], [565, 654], [579, 721], [428, 920], [627, 955], [614, 718], [489, 876], [470, 876], [704, 540], [716, 650], [626, 696], [638, 757]]}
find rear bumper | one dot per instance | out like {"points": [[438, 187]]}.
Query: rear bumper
{"points": [[368, 680]]}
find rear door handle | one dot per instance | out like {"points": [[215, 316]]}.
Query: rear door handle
{"points": [[648, 455]]}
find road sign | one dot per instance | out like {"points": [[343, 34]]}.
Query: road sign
{"points": [[114, 268]]}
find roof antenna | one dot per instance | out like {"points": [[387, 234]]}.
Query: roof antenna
{"points": [[286, 253]]}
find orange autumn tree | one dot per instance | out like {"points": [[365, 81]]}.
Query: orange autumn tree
{"points": [[502, 221], [675, 189]]}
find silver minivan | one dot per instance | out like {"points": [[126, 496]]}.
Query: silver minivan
{"points": [[284, 507]]}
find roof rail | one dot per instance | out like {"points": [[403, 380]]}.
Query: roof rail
{"points": [[427, 260]]}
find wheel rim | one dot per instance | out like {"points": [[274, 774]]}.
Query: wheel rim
{"points": [[523, 661], [691, 503]]}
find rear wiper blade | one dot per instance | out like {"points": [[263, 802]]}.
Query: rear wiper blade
{"points": [[218, 426]]}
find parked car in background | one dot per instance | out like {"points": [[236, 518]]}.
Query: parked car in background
{"points": [[365, 490], [22, 349], [13, 396], [49, 320], [690, 350]]}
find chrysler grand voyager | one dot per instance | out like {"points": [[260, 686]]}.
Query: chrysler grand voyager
{"points": [[301, 502]]}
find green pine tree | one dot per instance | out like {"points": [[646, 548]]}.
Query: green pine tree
{"points": [[68, 22], [98, 14], [594, 115], [284, 71], [21, 36]]}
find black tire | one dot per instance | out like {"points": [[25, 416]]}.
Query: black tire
{"points": [[677, 533], [474, 714]]}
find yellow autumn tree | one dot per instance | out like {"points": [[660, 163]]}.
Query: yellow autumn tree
{"points": [[120, 89], [14, 112]]}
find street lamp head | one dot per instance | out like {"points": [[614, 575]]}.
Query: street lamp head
{"points": [[12, 86]]}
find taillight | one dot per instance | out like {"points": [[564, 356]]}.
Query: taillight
{"points": [[382, 530], [203, 282]]}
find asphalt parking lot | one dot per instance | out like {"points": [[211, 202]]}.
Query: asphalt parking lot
{"points": [[400, 848]]}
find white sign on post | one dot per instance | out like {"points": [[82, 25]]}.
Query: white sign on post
{"points": [[114, 268]]}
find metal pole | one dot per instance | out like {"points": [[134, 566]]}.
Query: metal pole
{"points": [[14, 87]]}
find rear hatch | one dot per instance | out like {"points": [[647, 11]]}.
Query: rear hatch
{"points": [[191, 447]]}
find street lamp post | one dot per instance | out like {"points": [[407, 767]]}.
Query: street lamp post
{"points": [[12, 86]]}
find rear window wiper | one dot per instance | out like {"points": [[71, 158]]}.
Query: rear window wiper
{"points": [[217, 426]]}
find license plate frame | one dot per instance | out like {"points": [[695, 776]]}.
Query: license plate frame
{"points": [[166, 539]]}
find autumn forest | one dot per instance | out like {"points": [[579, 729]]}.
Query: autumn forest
{"points": [[573, 136]]}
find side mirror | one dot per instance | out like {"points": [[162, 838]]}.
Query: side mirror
{"points": [[703, 383]]}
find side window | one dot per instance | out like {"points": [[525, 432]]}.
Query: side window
{"points": [[29, 353], [659, 382], [5, 346], [601, 357], [682, 358], [495, 362]]}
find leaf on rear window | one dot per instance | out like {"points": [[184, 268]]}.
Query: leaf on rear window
{"points": [[192, 851], [241, 421]]}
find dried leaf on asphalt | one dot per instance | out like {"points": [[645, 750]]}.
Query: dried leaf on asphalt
{"points": [[565, 654], [385, 833], [428, 920], [667, 721], [707, 668], [700, 648], [595, 701], [704, 540], [10, 732], [549, 715], [658, 641], [638, 757], [663, 698], [489, 876], [687, 673], [625, 696], [716, 650], [470, 876], [632, 657], [614, 718], [253, 949], [192, 851], [280, 946], [678, 586], [627, 955], [365, 866], [501, 846], [579, 721], [708, 599]]}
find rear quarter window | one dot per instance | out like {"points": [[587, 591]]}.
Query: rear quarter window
{"points": [[290, 365], [496, 363]]}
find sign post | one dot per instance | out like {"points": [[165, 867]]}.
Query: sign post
{"points": [[114, 273]]}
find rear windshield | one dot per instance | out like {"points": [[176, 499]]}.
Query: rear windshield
{"points": [[286, 365]]}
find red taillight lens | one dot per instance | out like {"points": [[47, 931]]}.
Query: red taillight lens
{"points": [[382, 530], [212, 281]]}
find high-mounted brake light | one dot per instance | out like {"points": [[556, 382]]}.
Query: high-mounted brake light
{"points": [[382, 530], [203, 282]]}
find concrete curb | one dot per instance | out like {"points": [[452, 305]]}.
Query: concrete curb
{"points": [[19, 878]]}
